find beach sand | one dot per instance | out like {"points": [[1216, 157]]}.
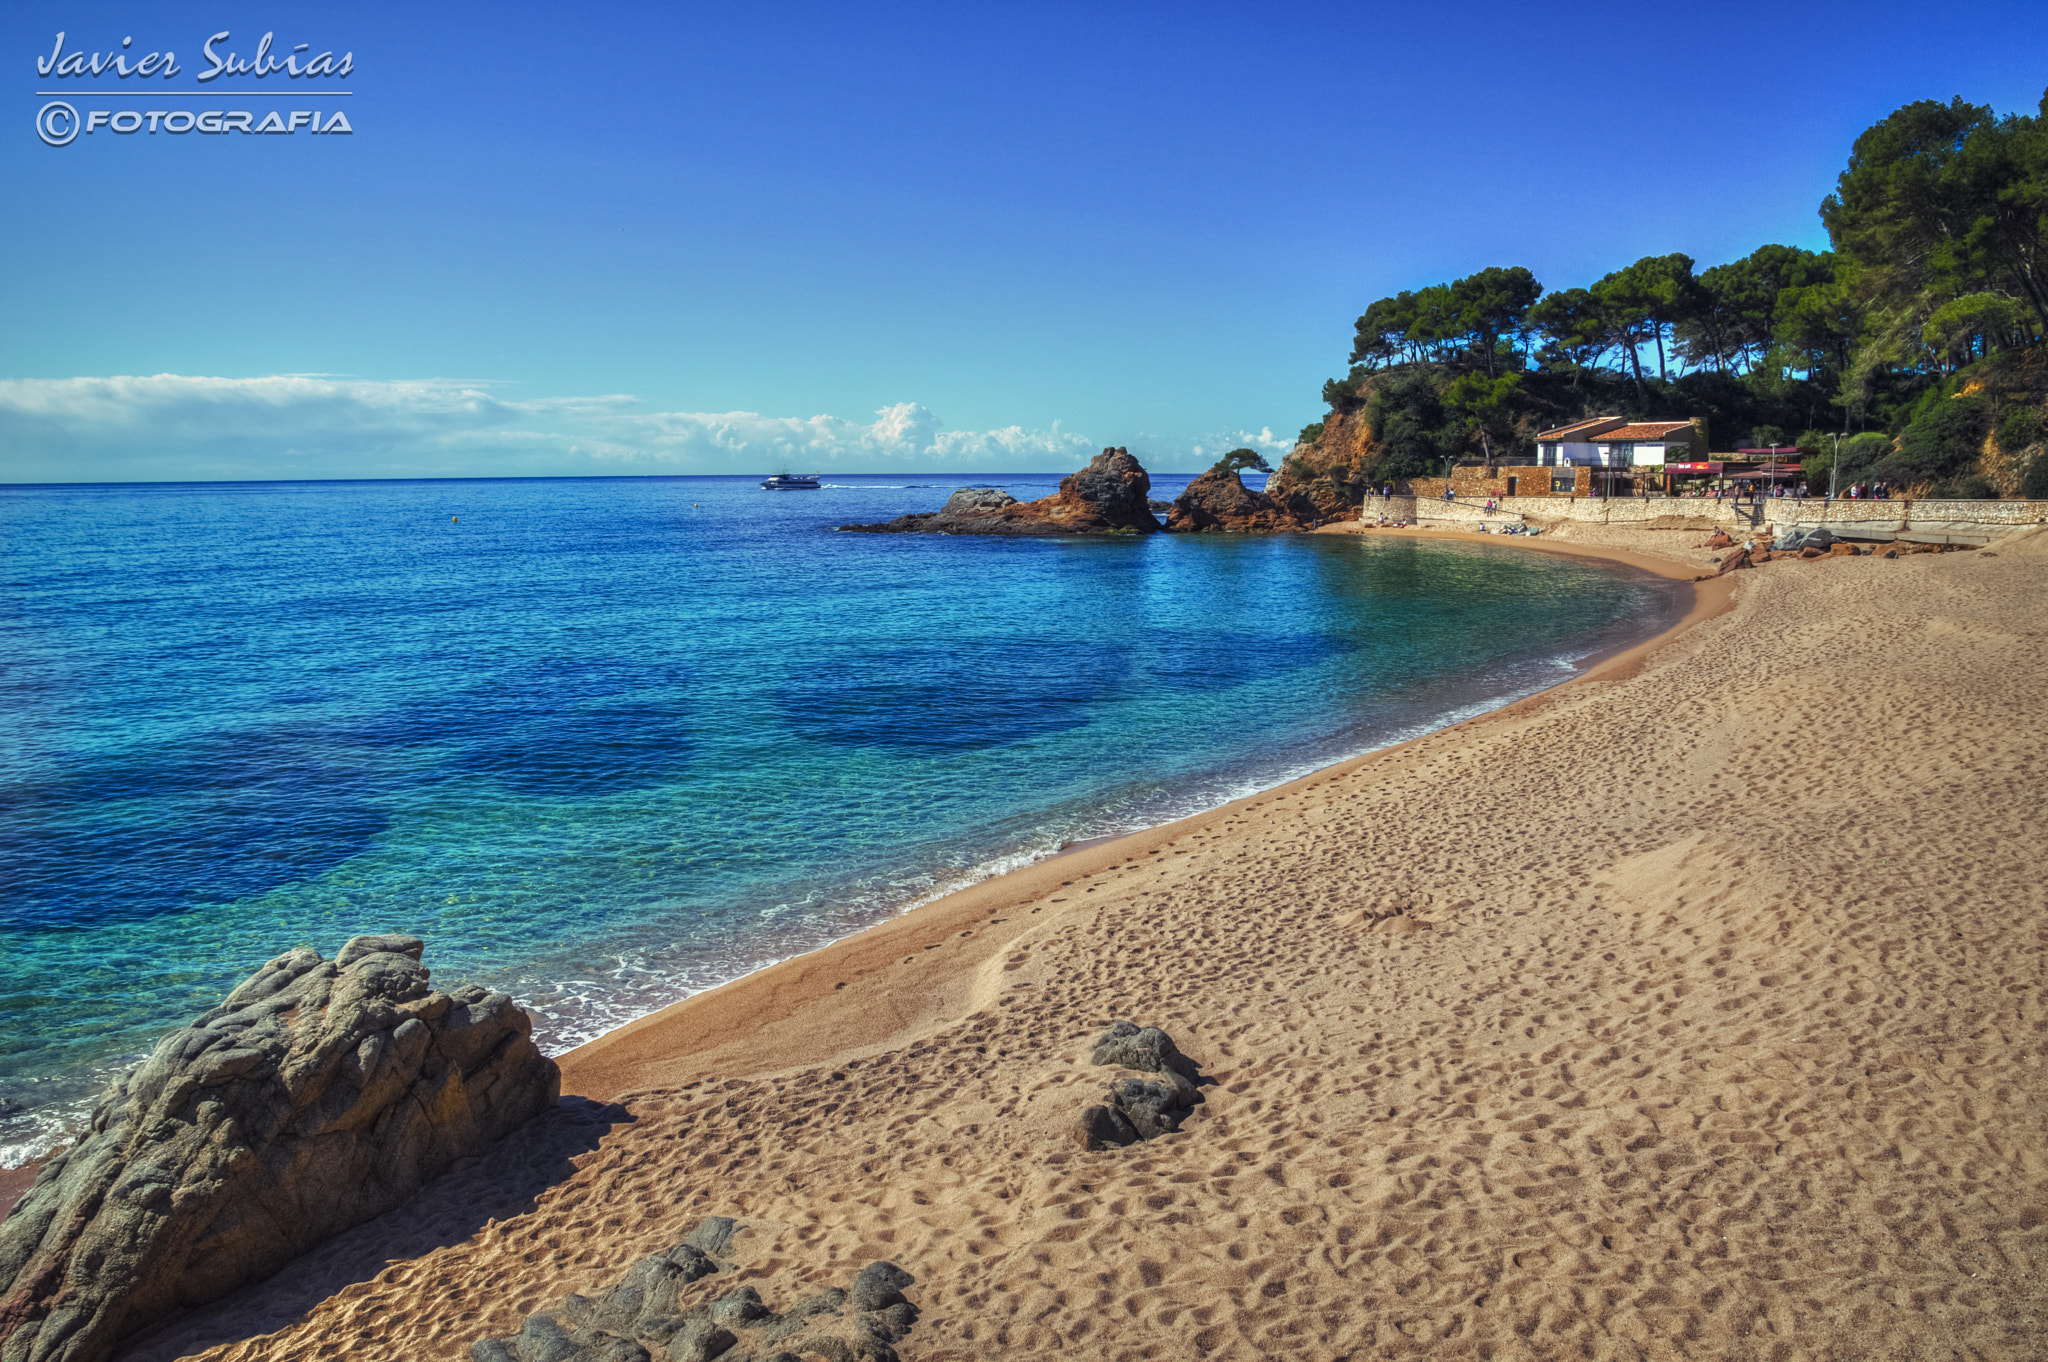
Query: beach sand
{"points": [[1691, 1010]]}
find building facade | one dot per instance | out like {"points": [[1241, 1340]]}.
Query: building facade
{"points": [[1617, 442]]}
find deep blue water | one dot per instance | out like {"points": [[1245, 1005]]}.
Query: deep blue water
{"points": [[606, 741]]}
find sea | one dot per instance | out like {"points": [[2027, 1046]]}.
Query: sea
{"points": [[607, 742]]}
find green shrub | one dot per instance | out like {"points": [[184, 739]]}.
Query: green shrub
{"points": [[2034, 483], [1860, 454], [1411, 431], [1969, 487], [2021, 427], [1942, 443], [1342, 393], [1310, 433]]}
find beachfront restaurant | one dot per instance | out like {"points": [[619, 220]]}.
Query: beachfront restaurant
{"points": [[1741, 473], [1619, 454]]}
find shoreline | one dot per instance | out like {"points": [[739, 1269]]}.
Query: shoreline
{"points": [[771, 997], [14, 1181], [1653, 1015]]}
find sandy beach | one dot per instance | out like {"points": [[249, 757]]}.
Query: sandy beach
{"points": [[1693, 1009]]}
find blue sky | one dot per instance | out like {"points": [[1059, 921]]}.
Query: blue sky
{"points": [[645, 238]]}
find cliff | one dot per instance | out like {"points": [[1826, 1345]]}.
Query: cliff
{"points": [[1324, 479]]}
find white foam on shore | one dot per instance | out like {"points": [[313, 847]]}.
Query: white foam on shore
{"points": [[580, 1006], [589, 1010]]}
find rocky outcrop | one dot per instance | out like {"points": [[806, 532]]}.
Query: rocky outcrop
{"points": [[1219, 502], [966, 508], [320, 1094], [659, 1310], [1325, 479], [1151, 1100], [1106, 497]]}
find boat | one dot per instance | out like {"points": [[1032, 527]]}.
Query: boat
{"points": [[791, 482]]}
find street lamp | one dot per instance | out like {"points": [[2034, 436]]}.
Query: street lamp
{"points": [[1834, 467]]}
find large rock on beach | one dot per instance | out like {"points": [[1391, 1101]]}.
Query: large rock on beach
{"points": [[1151, 1100], [1106, 497], [1219, 502], [671, 1306], [319, 1095]]}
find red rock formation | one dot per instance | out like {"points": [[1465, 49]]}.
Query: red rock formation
{"points": [[1106, 497], [1219, 502]]}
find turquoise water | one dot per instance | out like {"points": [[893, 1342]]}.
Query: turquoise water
{"points": [[603, 742]]}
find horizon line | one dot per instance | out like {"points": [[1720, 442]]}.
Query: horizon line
{"points": [[537, 477], [151, 94]]}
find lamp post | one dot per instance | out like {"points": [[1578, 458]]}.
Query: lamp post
{"points": [[1834, 468]]}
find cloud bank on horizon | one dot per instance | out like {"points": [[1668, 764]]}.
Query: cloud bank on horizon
{"points": [[174, 427]]}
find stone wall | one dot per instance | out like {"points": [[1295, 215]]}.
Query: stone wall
{"points": [[1901, 517], [1870, 519], [1481, 481], [1396, 508]]}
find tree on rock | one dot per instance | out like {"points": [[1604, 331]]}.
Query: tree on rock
{"points": [[1239, 460]]}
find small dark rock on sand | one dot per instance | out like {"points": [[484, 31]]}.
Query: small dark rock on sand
{"points": [[1140, 1108], [657, 1311]]}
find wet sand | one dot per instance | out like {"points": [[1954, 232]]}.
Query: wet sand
{"points": [[1691, 1009]]}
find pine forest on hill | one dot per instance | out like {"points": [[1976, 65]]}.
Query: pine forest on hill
{"points": [[1916, 343]]}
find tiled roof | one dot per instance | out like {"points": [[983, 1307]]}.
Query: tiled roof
{"points": [[1643, 430], [1581, 430]]}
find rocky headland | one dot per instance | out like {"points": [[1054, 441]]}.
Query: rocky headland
{"points": [[1109, 496], [319, 1095], [1106, 497]]}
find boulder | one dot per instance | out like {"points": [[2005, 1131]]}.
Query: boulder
{"points": [[1738, 559], [318, 1095], [1106, 497], [1140, 1108], [659, 1310], [1800, 540], [1219, 502], [1144, 1048]]}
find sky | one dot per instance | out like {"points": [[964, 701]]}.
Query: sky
{"points": [[643, 238]]}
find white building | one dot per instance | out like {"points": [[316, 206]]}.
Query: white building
{"points": [[1617, 442]]}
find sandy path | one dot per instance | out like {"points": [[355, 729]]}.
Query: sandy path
{"points": [[1695, 1011]]}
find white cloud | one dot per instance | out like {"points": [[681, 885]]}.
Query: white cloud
{"points": [[1264, 440], [171, 426], [906, 435]]}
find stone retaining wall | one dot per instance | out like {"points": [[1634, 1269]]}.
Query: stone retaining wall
{"points": [[1873, 517], [1776, 510]]}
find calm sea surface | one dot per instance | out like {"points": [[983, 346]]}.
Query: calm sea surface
{"points": [[603, 742]]}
